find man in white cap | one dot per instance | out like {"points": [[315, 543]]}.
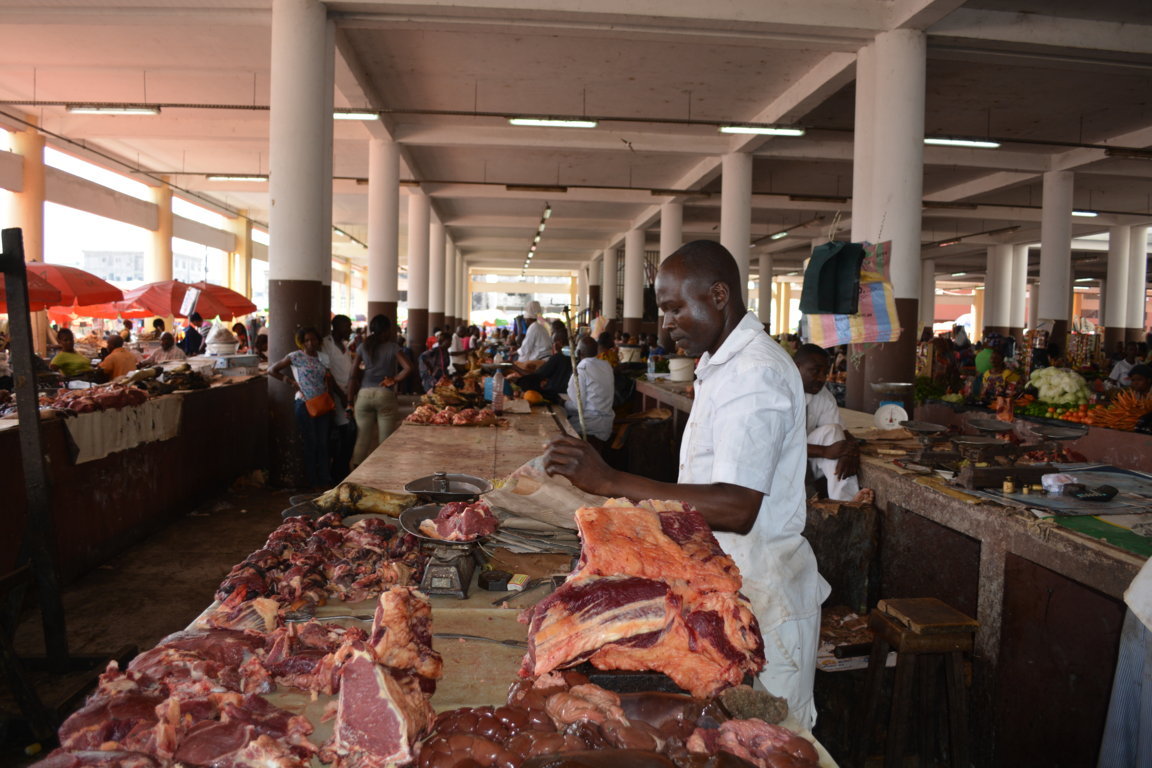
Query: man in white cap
{"points": [[537, 341]]}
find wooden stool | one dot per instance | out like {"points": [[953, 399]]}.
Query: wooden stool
{"points": [[917, 627]]}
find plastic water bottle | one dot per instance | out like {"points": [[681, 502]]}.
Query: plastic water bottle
{"points": [[651, 364], [498, 393]]}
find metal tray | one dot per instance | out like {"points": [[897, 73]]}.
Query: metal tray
{"points": [[411, 518], [459, 487]]}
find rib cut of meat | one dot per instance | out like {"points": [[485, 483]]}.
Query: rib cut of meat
{"points": [[653, 591], [377, 717], [582, 616]]}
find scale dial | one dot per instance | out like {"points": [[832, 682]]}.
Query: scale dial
{"points": [[889, 416]]}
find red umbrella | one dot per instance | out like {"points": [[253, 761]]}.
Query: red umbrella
{"points": [[111, 310], [75, 285], [236, 302], [166, 297], [41, 293]]}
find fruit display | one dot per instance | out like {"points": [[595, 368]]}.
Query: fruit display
{"points": [[1060, 386]]}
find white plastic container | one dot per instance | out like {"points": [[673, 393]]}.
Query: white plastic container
{"points": [[682, 368]]}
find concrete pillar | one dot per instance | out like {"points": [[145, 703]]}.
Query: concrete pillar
{"points": [[1017, 316], [927, 310], [383, 227], [437, 244], [464, 281], [671, 228], [158, 260], [581, 289], [451, 295], [736, 211], [1115, 293], [28, 213], [633, 281], [1056, 253], [1033, 305], [764, 309], [998, 304], [299, 251], [418, 213], [611, 311], [897, 184], [671, 238], [326, 210], [595, 285], [1136, 302], [863, 132], [240, 260]]}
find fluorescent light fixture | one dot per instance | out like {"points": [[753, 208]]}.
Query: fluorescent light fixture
{"points": [[353, 114], [779, 236], [536, 239], [763, 130], [550, 122], [959, 274], [1086, 214], [1128, 153], [962, 143], [237, 177], [122, 109], [540, 228], [946, 243], [547, 211], [1085, 279]]}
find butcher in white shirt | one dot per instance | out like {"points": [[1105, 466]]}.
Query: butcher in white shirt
{"points": [[742, 460], [597, 392], [831, 453], [537, 340]]}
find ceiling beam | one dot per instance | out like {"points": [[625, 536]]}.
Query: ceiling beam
{"points": [[1034, 29], [463, 134]]}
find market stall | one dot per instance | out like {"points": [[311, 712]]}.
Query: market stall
{"points": [[317, 650], [134, 469]]}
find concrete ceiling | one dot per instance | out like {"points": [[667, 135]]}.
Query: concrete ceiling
{"points": [[1052, 77]]}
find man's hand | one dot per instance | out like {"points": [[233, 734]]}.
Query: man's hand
{"points": [[579, 462], [847, 455]]}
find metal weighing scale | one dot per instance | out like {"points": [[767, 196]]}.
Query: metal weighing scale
{"points": [[451, 564], [933, 442], [894, 404]]}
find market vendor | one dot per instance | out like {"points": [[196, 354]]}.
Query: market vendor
{"points": [[832, 454], [597, 393], [536, 344], [167, 350], [1140, 378], [1123, 368], [193, 340], [434, 362], [119, 360], [550, 379], [998, 378], [742, 460], [67, 361]]}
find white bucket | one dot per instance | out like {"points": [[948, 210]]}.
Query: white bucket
{"points": [[682, 368]]}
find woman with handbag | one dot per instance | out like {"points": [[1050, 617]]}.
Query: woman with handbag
{"points": [[378, 368], [314, 402]]}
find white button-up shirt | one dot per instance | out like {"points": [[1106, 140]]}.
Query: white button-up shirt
{"points": [[598, 387], [747, 428], [537, 343], [822, 409]]}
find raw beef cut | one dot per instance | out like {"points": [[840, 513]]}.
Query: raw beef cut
{"points": [[378, 719], [653, 591], [461, 521], [401, 636]]}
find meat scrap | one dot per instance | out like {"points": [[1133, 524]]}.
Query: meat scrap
{"points": [[653, 591], [756, 741]]}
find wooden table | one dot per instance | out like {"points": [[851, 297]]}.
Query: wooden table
{"points": [[475, 673]]}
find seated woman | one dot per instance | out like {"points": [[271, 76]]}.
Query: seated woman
{"points": [[998, 379], [606, 349], [551, 378], [67, 361]]}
